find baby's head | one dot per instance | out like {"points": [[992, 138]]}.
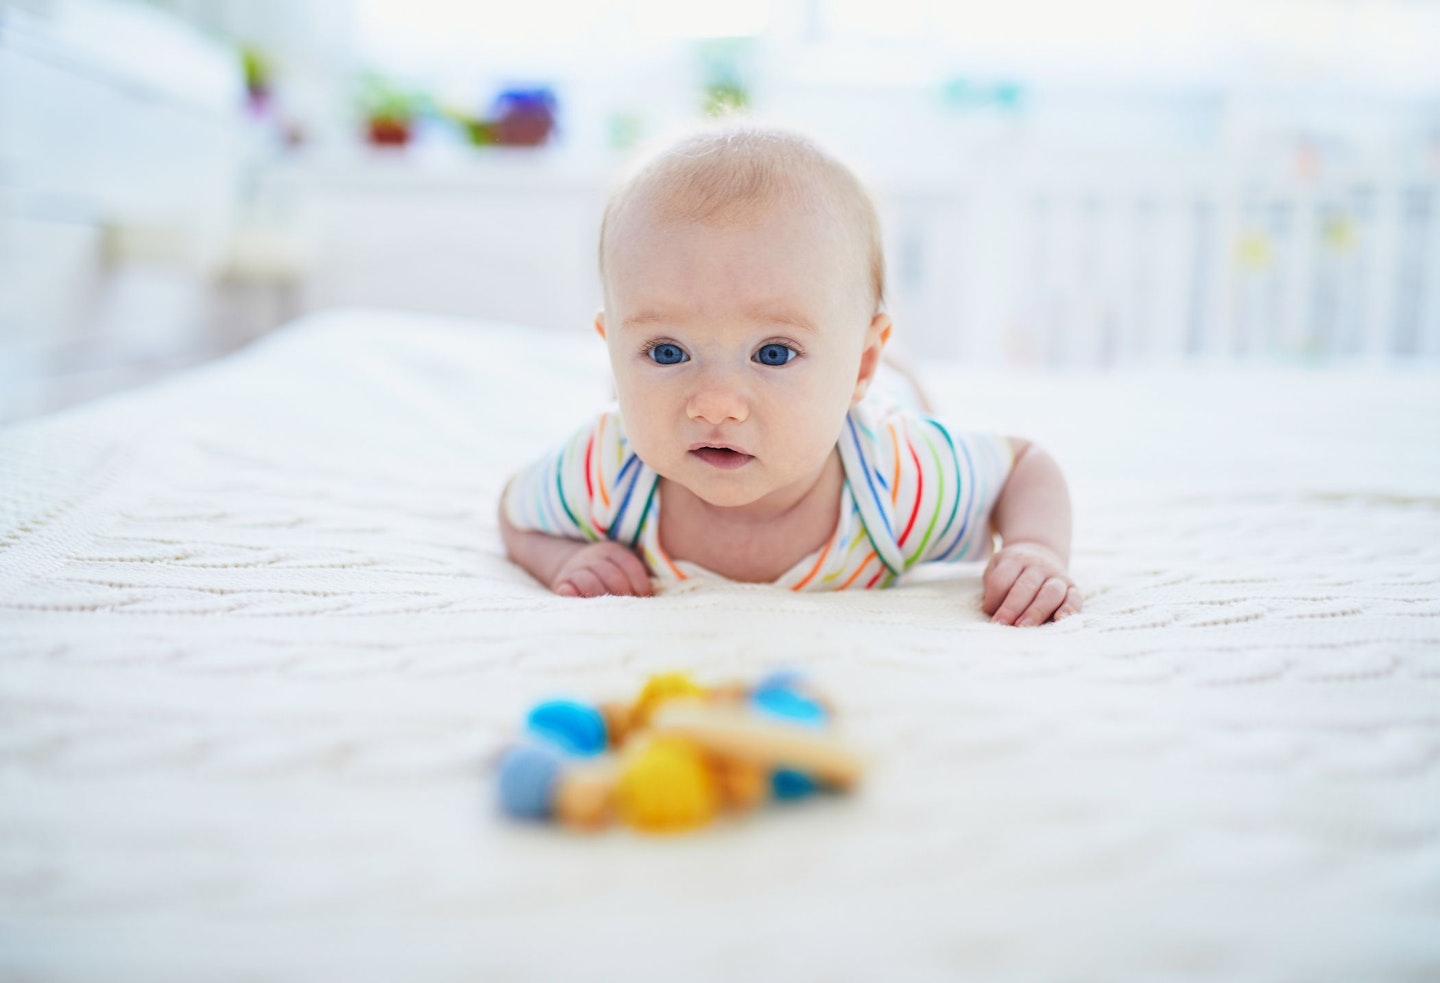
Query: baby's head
{"points": [[726, 173], [743, 280]]}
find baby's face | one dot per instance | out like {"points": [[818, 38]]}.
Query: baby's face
{"points": [[737, 347]]}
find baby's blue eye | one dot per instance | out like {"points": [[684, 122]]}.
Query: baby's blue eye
{"points": [[667, 354], [775, 354]]}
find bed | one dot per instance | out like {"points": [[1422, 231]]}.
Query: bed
{"points": [[259, 648]]}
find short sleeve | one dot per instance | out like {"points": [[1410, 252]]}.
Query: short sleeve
{"points": [[591, 487], [967, 472], [925, 491]]}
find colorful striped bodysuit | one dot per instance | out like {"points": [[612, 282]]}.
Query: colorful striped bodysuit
{"points": [[914, 493]]}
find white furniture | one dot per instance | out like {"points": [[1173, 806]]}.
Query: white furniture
{"points": [[121, 151], [504, 234]]}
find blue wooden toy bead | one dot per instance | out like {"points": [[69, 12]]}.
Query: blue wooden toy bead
{"points": [[791, 679], [787, 783], [781, 694], [527, 779], [576, 728], [789, 705]]}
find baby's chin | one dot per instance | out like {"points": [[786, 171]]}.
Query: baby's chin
{"points": [[720, 495]]}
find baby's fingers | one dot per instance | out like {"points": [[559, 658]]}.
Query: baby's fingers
{"points": [[612, 573], [636, 576], [607, 575], [581, 583], [1000, 576], [1048, 601], [1071, 605], [1020, 597]]}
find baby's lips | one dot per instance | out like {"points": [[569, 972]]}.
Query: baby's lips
{"points": [[722, 457], [719, 445]]}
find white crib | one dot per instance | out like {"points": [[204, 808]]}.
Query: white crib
{"points": [[1147, 262]]}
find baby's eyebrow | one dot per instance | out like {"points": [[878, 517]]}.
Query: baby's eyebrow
{"points": [[648, 317], [762, 315], [783, 316]]}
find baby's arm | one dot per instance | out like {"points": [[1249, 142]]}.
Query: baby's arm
{"points": [[573, 568], [1027, 581]]}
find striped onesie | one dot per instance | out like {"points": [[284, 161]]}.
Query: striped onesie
{"points": [[914, 493]]}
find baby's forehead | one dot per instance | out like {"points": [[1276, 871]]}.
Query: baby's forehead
{"points": [[650, 206]]}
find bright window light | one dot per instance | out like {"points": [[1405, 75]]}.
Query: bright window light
{"points": [[728, 19], [390, 24], [891, 19], [1106, 24]]}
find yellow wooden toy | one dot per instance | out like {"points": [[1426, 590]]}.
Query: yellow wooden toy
{"points": [[667, 787]]}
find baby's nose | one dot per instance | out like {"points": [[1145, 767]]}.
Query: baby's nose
{"points": [[718, 402]]}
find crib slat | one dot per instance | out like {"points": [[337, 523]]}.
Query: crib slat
{"points": [[1050, 267]]}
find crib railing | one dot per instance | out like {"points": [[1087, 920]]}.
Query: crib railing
{"points": [[1062, 271]]}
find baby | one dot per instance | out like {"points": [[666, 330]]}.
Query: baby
{"points": [[743, 283]]}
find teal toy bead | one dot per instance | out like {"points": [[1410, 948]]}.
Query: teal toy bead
{"points": [[779, 690], [787, 783], [575, 728], [791, 679], [790, 705]]}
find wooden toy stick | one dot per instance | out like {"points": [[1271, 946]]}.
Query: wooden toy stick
{"points": [[585, 795], [775, 744]]}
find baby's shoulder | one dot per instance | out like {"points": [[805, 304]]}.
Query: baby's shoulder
{"points": [[605, 448], [604, 425], [888, 431], [890, 419]]}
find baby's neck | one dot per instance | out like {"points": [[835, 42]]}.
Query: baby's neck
{"points": [[751, 544]]}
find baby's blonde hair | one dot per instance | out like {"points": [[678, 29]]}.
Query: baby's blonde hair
{"points": [[727, 169]]}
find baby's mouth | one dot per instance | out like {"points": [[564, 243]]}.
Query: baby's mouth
{"points": [[726, 458]]}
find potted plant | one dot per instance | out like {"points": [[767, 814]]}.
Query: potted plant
{"points": [[388, 111]]}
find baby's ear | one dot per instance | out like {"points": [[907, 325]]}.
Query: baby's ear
{"points": [[879, 330], [600, 323], [876, 337]]}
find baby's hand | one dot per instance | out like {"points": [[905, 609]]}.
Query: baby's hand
{"points": [[602, 568], [1027, 584]]}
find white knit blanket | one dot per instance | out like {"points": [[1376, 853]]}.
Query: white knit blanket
{"points": [[259, 643]]}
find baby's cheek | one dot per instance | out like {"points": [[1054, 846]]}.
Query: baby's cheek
{"points": [[815, 442], [655, 449]]}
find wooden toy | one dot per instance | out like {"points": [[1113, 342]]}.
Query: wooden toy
{"points": [[675, 758], [659, 690], [577, 728], [667, 786], [743, 785], [584, 799], [747, 736]]}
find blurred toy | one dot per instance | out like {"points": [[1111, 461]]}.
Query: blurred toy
{"points": [[667, 786], [575, 727], [740, 733], [676, 757]]}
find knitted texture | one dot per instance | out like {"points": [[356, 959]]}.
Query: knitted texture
{"points": [[259, 645]]}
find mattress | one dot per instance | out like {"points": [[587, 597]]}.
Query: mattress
{"points": [[260, 646]]}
